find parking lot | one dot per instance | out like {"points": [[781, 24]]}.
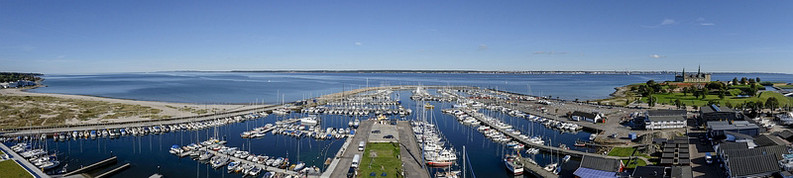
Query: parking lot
{"points": [[384, 132]]}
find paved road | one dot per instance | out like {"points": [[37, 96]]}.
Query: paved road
{"points": [[409, 152], [698, 164], [362, 134], [24, 162]]}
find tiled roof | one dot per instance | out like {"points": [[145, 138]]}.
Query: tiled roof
{"points": [[768, 140], [754, 165]]}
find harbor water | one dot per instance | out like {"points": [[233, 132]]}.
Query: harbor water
{"points": [[149, 154]]}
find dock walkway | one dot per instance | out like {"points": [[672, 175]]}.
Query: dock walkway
{"points": [[412, 164], [264, 167], [535, 169], [32, 169], [344, 161], [545, 148]]}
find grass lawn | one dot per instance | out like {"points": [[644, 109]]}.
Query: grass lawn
{"points": [[10, 169], [621, 151], [689, 100], [636, 162], [379, 158]]}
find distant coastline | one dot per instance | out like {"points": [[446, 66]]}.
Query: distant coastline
{"points": [[584, 72]]}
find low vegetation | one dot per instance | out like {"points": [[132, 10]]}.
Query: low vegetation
{"points": [[10, 169], [191, 109], [12, 76], [21, 111], [380, 158]]}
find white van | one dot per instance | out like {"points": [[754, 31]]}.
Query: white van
{"points": [[355, 160], [361, 145]]}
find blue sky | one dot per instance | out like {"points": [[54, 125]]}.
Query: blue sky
{"points": [[142, 36]]}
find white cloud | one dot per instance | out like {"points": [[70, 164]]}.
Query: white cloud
{"points": [[700, 19], [707, 24], [482, 47], [357, 43], [664, 22], [668, 22], [657, 56]]}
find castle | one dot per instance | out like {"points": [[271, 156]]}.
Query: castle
{"points": [[698, 77]]}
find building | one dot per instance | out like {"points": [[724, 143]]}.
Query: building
{"points": [[665, 119], [587, 116], [718, 128], [676, 152], [598, 167], [697, 77], [719, 113], [757, 162], [769, 140], [662, 172]]}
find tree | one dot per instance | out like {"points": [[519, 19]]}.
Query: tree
{"points": [[758, 79], [771, 103], [678, 103], [696, 94], [751, 81], [715, 85], [735, 81], [685, 91], [651, 100], [721, 95], [743, 80]]}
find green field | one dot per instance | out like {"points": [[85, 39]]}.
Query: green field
{"points": [[10, 169], [636, 162], [621, 151], [690, 100], [627, 151], [379, 158]]}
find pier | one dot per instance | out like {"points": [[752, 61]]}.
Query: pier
{"points": [[412, 162], [535, 169], [96, 165], [32, 169], [264, 167], [545, 148], [113, 171], [342, 163]]}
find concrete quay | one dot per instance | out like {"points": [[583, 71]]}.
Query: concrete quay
{"points": [[13, 156]]}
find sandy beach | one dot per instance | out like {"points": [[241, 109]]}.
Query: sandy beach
{"points": [[168, 110]]}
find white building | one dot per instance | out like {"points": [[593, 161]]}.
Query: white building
{"points": [[665, 122], [665, 119]]}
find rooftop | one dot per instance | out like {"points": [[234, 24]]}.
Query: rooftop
{"points": [[666, 118], [769, 140], [666, 112], [754, 165], [734, 125], [715, 108], [603, 164]]}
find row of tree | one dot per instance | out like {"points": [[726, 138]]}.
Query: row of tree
{"points": [[13, 77], [745, 81]]}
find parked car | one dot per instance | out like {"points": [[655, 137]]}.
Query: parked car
{"points": [[708, 158], [388, 136]]}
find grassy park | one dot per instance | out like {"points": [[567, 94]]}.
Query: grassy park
{"points": [[380, 158], [10, 169]]}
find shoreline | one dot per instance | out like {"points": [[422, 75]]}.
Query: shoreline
{"points": [[168, 110]]}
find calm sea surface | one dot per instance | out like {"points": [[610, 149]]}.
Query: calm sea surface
{"points": [[149, 154]]}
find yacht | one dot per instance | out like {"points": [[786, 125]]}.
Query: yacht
{"points": [[513, 164], [310, 120]]}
